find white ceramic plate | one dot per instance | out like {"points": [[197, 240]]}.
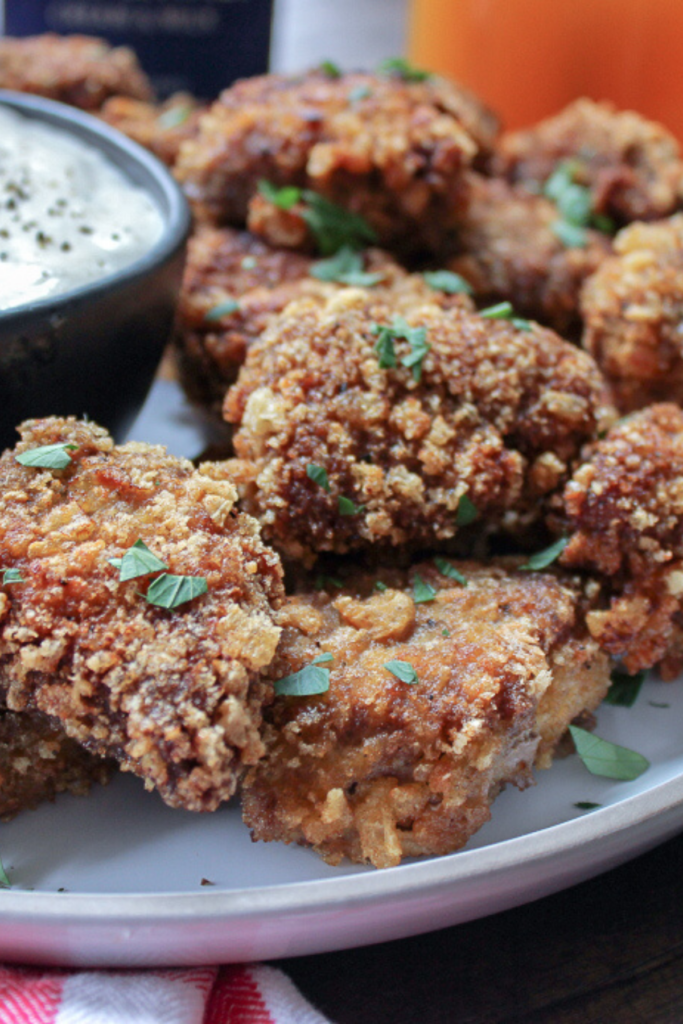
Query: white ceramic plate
{"points": [[133, 869]]}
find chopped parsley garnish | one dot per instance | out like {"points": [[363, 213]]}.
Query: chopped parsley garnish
{"points": [[224, 308], [446, 569], [403, 670], [168, 591], [137, 561], [322, 582], [466, 512], [345, 267], [575, 205], [333, 226], [4, 880], [445, 631], [175, 116], [624, 689], [586, 805], [347, 507], [571, 235], [323, 659], [505, 311], [422, 591], [607, 759], [385, 346], [448, 282], [310, 680], [284, 198], [12, 576], [48, 456], [359, 92], [400, 68], [329, 68], [380, 586], [542, 559], [318, 474], [416, 338]]}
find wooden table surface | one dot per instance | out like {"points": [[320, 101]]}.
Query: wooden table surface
{"points": [[609, 951]]}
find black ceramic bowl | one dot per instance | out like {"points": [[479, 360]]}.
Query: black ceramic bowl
{"points": [[93, 351]]}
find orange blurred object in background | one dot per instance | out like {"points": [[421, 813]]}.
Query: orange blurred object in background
{"points": [[528, 58]]}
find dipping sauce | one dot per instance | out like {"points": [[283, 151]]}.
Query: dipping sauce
{"points": [[67, 215]]}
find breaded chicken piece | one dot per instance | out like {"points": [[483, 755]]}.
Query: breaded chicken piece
{"points": [[38, 760], [631, 165], [173, 693], [465, 408], [376, 769], [390, 150], [507, 249], [623, 513], [80, 70], [224, 265], [161, 127], [633, 311]]}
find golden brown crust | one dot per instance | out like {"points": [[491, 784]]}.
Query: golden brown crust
{"points": [[161, 128], [80, 70], [631, 165], [633, 309], [496, 416], [38, 760], [377, 769], [390, 150], [174, 695], [507, 250]]}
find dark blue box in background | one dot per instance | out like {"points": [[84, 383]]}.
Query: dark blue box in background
{"points": [[196, 45]]}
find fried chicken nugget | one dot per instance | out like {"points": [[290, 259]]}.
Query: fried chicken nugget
{"points": [[507, 250], [631, 165], [633, 311], [80, 70], [161, 128], [173, 693], [376, 768], [348, 437], [623, 513], [38, 760], [390, 150]]}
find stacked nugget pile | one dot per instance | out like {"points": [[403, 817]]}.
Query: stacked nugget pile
{"points": [[421, 334]]}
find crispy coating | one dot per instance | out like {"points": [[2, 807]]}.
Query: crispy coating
{"points": [[496, 416], [225, 264], [631, 165], [173, 695], [390, 150], [623, 511], [80, 70], [633, 310], [162, 127], [507, 250], [38, 760], [376, 769]]}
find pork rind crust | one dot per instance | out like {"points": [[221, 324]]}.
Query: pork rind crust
{"points": [[38, 760], [507, 250], [377, 769], [633, 309], [174, 695], [390, 150], [623, 511], [80, 70], [161, 128], [631, 165], [496, 416]]}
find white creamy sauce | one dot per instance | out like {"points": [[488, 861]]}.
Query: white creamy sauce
{"points": [[67, 215]]}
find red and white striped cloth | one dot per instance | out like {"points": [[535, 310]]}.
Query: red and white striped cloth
{"points": [[200, 995]]}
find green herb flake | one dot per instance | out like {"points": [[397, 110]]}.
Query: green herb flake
{"points": [[323, 659], [542, 559], [423, 592], [12, 576], [308, 681], [284, 198], [448, 282], [571, 235], [419, 347], [560, 179], [445, 631], [4, 880], [359, 92], [403, 670], [604, 224], [624, 688], [385, 346], [47, 456], [318, 474], [329, 68], [222, 309], [505, 311], [169, 591], [347, 507], [174, 116], [446, 569], [400, 68], [607, 759], [466, 512], [322, 582], [333, 226], [380, 586], [137, 561], [586, 805], [416, 338], [345, 267]]}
